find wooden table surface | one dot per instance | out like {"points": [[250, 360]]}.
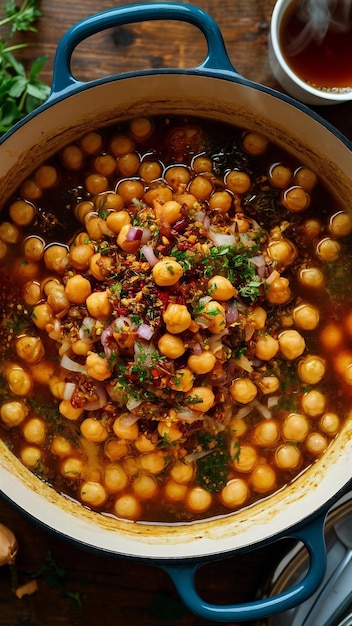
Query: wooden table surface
{"points": [[76, 587]]}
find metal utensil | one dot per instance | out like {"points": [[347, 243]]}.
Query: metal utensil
{"points": [[343, 531]]}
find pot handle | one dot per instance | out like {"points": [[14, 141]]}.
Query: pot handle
{"points": [[216, 59], [312, 536]]}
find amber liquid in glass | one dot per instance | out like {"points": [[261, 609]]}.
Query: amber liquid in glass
{"points": [[325, 64]]}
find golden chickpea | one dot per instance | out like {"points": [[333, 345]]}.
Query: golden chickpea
{"points": [[105, 166], [144, 444], [13, 413], [32, 292], [266, 347], [31, 456], [263, 478], [130, 463], [152, 462], [145, 487], [288, 457], [72, 157], [42, 315], [202, 363], [295, 427], [312, 228], [177, 318], [198, 499], [99, 305], [108, 201], [125, 430], [237, 428], [93, 493], [33, 248], [306, 178], [91, 142], [30, 190], [246, 460], [61, 446], [167, 272], [279, 175], [96, 183], [201, 163], [97, 367], [328, 250], [72, 468], [94, 430], [80, 256], [56, 258], [340, 224], [182, 472], [21, 212], [171, 346], [254, 143], [243, 390], [282, 252], [316, 443], [292, 344], [127, 507], [128, 164], [122, 144], [171, 212], [279, 291], [169, 432], [81, 347], [23, 270], [46, 176], [268, 384], [201, 187], [115, 449], [77, 289], [175, 492], [182, 380], [141, 128], [115, 477], [306, 316], [130, 190], [57, 387], [295, 199], [257, 317], [150, 170], [200, 399], [29, 349], [100, 266], [220, 201], [214, 313], [331, 336], [10, 233], [43, 372], [18, 379], [70, 412], [311, 369], [329, 423], [117, 219], [188, 200], [311, 277], [34, 430], [238, 182], [221, 288], [266, 433], [313, 403], [158, 193], [235, 493], [177, 177]]}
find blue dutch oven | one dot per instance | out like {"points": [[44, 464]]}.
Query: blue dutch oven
{"points": [[213, 90]]}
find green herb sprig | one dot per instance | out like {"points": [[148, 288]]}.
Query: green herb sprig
{"points": [[21, 91]]}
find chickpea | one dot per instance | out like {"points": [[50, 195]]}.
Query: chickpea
{"points": [[34, 430], [105, 166], [342, 362], [100, 266], [246, 460], [279, 291], [254, 143], [127, 507], [202, 363], [328, 250], [316, 443], [129, 190], [10, 233], [238, 182], [42, 315], [311, 277], [170, 346], [141, 128], [93, 430], [266, 433], [330, 424], [115, 449], [122, 144], [145, 487], [72, 468], [57, 387], [61, 447], [32, 292], [311, 369], [268, 384], [124, 240], [128, 164], [306, 178], [29, 349], [30, 190], [3, 250], [108, 201], [152, 462], [115, 478], [117, 219], [18, 379], [91, 142], [266, 347], [13, 413], [43, 372], [21, 212], [175, 492], [292, 344], [306, 316], [214, 313], [331, 336], [235, 493], [31, 456], [93, 493], [170, 212], [177, 177], [313, 403], [33, 248], [167, 272], [125, 430], [56, 258], [201, 187], [288, 457], [77, 289], [150, 170], [81, 347], [243, 390], [23, 270], [221, 201], [144, 444], [182, 472], [295, 427], [131, 466], [97, 366], [70, 412], [221, 288], [282, 252], [312, 228], [99, 305], [201, 163], [158, 193], [295, 199], [182, 380], [279, 175], [237, 428], [177, 318], [46, 176], [198, 499], [80, 256], [72, 157], [200, 399], [188, 200], [263, 478], [340, 224]]}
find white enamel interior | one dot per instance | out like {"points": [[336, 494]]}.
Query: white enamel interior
{"points": [[245, 106]]}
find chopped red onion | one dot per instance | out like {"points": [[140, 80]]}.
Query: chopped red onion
{"points": [[145, 332], [68, 391], [72, 366], [231, 313], [100, 402], [146, 235], [221, 239], [134, 234], [149, 255]]}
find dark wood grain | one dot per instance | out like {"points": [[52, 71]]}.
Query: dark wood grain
{"points": [[95, 590]]}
